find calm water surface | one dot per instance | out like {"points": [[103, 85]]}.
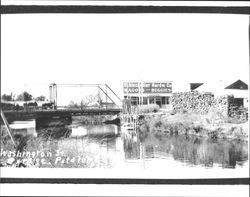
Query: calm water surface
{"points": [[106, 146]]}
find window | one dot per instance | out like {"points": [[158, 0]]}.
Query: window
{"points": [[151, 100], [158, 101], [167, 100], [163, 100]]}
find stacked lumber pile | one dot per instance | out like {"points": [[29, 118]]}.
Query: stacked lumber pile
{"points": [[222, 104], [199, 103]]}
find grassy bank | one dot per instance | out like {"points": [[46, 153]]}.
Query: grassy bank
{"points": [[45, 152], [212, 125]]}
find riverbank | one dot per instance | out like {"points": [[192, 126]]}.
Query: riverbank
{"points": [[213, 125], [40, 152], [92, 146]]}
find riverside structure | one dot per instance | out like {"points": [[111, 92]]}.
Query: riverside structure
{"points": [[148, 92]]}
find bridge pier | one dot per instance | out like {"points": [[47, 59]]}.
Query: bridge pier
{"points": [[55, 120]]}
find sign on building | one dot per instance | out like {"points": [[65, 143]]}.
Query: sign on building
{"points": [[130, 87], [147, 87]]}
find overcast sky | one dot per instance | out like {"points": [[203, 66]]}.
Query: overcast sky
{"points": [[38, 49]]}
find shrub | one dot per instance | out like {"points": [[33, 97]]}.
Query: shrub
{"points": [[173, 112], [148, 108]]}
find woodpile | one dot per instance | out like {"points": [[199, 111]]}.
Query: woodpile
{"points": [[222, 104], [199, 103]]}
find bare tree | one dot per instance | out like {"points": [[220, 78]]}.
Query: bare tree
{"points": [[25, 96], [40, 98], [89, 100]]}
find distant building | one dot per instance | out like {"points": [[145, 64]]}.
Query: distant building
{"points": [[238, 89], [148, 92]]}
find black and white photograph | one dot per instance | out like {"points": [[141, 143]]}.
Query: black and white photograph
{"points": [[124, 95]]}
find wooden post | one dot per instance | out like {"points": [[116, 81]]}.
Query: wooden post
{"points": [[99, 98], [106, 95], [56, 96], [8, 128]]}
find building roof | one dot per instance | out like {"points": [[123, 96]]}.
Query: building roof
{"points": [[239, 85], [193, 86], [214, 87], [223, 87]]}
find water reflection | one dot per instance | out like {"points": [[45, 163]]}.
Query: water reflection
{"points": [[24, 128], [79, 132], [53, 128], [131, 146], [197, 151], [107, 147]]}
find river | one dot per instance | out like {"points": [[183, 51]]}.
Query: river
{"points": [[78, 145]]}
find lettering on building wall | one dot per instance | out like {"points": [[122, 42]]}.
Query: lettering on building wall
{"points": [[134, 87]]}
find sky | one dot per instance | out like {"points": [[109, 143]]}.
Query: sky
{"points": [[39, 49]]}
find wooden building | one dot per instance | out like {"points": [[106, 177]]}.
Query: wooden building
{"points": [[148, 92], [238, 89]]}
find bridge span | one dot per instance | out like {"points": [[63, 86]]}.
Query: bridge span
{"points": [[107, 101], [60, 113]]}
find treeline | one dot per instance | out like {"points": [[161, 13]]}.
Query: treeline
{"points": [[26, 106], [24, 96], [24, 101]]}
